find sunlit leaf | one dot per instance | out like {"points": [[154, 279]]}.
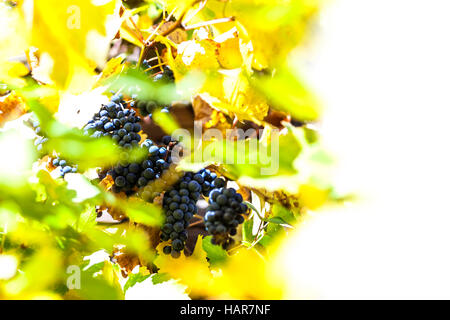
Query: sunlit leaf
{"points": [[75, 34], [12, 73], [286, 92], [216, 254]]}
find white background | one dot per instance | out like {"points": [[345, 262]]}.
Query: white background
{"points": [[382, 70]]}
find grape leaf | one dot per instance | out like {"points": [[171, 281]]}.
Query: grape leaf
{"points": [[134, 278], [286, 92], [273, 27], [75, 34], [215, 254]]}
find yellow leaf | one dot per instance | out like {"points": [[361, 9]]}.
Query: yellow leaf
{"points": [[13, 35], [229, 91], [113, 67], [33, 279], [229, 52], [192, 271], [313, 197], [127, 29], [194, 55], [12, 107], [246, 275], [75, 34], [11, 73], [273, 27]]}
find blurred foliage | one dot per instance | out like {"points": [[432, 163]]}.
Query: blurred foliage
{"points": [[59, 62]]}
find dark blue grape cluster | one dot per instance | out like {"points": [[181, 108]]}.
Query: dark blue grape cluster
{"points": [[208, 180], [116, 120], [179, 204], [146, 108], [224, 214], [128, 176], [64, 167]]}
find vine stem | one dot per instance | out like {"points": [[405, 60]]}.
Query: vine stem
{"points": [[236, 248], [200, 7], [178, 23], [136, 30], [256, 210], [196, 223], [139, 34], [208, 23], [154, 67]]}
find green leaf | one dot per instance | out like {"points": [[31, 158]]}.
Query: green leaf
{"points": [[74, 33], [87, 219], [216, 254], [247, 234], [133, 279], [272, 232], [283, 214], [141, 211], [165, 121], [72, 144], [280, 221], [160, 277], [149, 90], [135, 241], [249, 158], [96, 267], [97, 288], [287, 92]]}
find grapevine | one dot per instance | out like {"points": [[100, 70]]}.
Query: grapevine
{"points": [[163, 144]]}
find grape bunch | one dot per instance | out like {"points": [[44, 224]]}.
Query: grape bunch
{"points": [[208, 180], [131, 175], [63, 166], [179, 204], [146, 108], [224, 214], [117, 121]]}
